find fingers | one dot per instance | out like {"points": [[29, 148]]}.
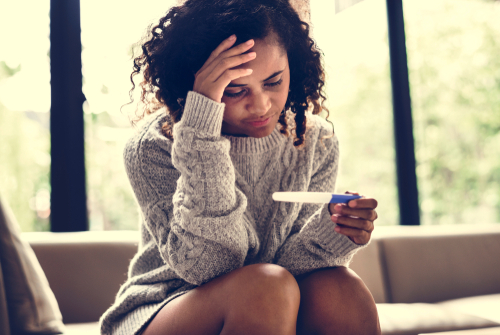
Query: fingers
{"points": [[355, 223], [358, 225], [356, 235], [355, 219], [331, 208], [363, 203], [364, 213], [225, 64], [230, 75], [223, 51], [226, 44], [349, 192], [219, 69]]}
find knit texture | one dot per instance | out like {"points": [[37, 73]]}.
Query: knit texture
{"points": [[206, 207]]}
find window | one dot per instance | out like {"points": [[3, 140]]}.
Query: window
{"points": [[109, 32], [355, 47], [24, 112], [454, 70], [454, 75]]}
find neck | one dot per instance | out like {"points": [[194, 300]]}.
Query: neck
{"points": [[236, 135]]}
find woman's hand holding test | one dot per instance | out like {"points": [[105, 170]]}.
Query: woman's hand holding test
{"points": [[219, 69], [355, 219]]}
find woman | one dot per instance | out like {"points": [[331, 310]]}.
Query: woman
{"points": [[217, 254]]}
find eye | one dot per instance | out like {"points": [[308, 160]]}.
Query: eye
{"points": [[276, 83], [234, 95]]}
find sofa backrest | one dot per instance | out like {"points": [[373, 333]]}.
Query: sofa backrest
{"points": [[367, 264], [401, 265], [441, 264], [84, 269], [430, 263]]}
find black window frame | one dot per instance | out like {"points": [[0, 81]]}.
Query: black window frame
{"points": [[68, 199]]}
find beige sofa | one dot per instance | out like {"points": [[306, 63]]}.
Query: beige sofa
{"points": [[424, 279]]}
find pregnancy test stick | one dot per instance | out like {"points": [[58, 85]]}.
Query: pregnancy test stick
{"points": [[314, 197]]}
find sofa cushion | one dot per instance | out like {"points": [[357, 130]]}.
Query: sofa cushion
{"points": [[486, 306], [484, 331], [431, 265], [414, 319], [88, 328]]}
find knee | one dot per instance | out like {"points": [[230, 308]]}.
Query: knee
{"points": [[360, 314], [336, 301], [264, 290], [269, 281]]}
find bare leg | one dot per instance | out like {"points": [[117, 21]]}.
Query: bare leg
{"points": [[255, 299], [336, 301]]}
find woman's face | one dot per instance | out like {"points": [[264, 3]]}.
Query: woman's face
{"points": [[254, 102]]}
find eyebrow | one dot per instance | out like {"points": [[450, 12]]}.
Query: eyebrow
{"points": [[270, 77]]}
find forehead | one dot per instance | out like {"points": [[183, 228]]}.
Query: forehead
{"points": [[270, 57]]}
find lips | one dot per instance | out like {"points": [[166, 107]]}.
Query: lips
{"points": [[260, 123], [261, 119]]}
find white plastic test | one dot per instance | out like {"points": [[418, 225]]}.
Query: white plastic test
{"points": [[314, 197]]}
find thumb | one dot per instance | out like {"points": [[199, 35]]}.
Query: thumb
{"points": [[331, 208]]}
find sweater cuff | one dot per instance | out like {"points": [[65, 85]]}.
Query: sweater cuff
{"points": [[203, 113], [323, 231]]}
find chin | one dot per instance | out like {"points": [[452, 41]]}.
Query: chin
{"points": [[259, 132], [259, 135], [262, 131]]}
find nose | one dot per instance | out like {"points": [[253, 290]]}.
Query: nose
{"points": [[259, 104]]}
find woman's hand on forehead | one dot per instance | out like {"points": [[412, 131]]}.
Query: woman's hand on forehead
{"points": [[219, 69]]}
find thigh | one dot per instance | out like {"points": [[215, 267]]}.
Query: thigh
{"points": [[260, 298], [195, 312]]}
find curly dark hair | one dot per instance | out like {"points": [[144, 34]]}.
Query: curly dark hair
{"points": [[178, 46]]}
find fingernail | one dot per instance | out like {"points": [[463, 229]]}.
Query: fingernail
{"points": [[249, 42], [352, 203], [252, 54], [337, 229], [232, 37], [338, 207], [335, 217]]}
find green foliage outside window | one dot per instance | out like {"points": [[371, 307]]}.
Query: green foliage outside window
{"points": [[358, 86], [110, 200], [25, 163], [454, 66]]}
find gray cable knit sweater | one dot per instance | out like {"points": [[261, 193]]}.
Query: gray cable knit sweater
{"points": [[206, 208]]}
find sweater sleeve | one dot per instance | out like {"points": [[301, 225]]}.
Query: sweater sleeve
{"points": [[313, 243], [189, 200]]}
